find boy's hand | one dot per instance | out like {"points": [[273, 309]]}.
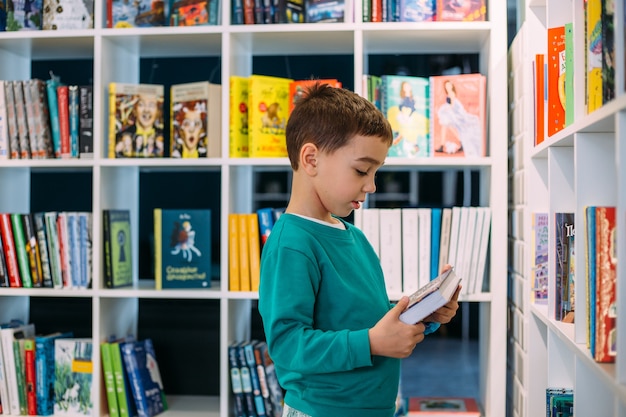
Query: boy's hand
{"points": [[393, 338], [447, 312]]}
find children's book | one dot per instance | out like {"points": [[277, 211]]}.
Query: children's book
{"points": [[195, 121], [443, 407], [593, 51], [140, 13], [540, 248], [45, 376], [417, 10], [182, 242], [268, 99], [606, 278], [238, 137], [458, 115], [136, 120], [118, 262], [430, 297], [67, 14], [326, 11], [461, 10], [145, 378], [297, 89], [73, 370], [405, 104], [23, 15], [189, 13], [556, 80]]}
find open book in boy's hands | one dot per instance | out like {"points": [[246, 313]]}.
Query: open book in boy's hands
{"points": [[429, 298]]}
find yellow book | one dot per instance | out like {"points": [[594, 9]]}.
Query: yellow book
{"points": [[593, 49], [254, 250], [238, 117], [244, 254], [233, 253], [268, 110]]}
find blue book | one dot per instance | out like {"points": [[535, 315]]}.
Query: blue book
{"points": [[74, 119], [72, 232], [53, 107], [246, 380], [591, 272], [266, 222], [235, 381], [144, 377], [259, 402], [44, 365], [435, 235], [182, 244]]}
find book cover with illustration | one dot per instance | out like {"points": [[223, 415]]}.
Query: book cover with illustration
{"points": [[238, 137], [144, 376], [268, 99], [118, 262], [297, 89], [593, 51], [67, 14], [23, 15], [556, 80], [189, 12], [563, 228], [417, 10], [404, 102], [182, 248], [540, 249], [195, 120], [73, 370], [458, 115], [138, 13], [606, 278], [136, 120], [461, 10], [324, 11]]}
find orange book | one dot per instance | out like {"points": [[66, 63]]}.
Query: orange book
{"points": [[540, 127], [244, 253], [297, 89], [234, 283], [458, 115], [556, 79], [254, 250]]}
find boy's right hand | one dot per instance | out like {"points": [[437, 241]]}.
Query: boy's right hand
{"points": [[393, 338]]}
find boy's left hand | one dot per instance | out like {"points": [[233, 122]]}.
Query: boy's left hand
{"points": [[447, 312]]}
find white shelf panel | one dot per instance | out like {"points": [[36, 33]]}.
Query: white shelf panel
{"points": [[296, 39], [169, 41], [145, 289], [64, 44], [163, 163], [47, 292]]}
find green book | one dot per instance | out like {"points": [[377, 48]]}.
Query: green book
{"points": [[109, 379], [569, 74], [20, 249], [18, 351], [118, 266], [124, 397]]}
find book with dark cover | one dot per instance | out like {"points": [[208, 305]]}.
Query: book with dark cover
{"points": [[44, 365], [118, 266], [182, 248], [430, 297], [144, 377]]}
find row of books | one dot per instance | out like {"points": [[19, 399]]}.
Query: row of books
{"points": [[45, 119], [424, 10], [247, 233], [414, 244], [136, 122], [132, 379], [559, 402], [597, 273], [253, 380], [554, 84], [45, 249], [442, 115], [17, 15], [44, 374]]}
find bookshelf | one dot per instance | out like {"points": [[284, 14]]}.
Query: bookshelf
{"points": [[117, 183], [581, 165]]}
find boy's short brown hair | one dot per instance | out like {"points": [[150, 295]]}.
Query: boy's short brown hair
{"points": [[329, 118]]}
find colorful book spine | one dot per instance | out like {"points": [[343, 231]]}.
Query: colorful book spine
{"points": [[109, 379], [556, 79], [73, 115], [20, 250], [53, 107], [10, 253]]}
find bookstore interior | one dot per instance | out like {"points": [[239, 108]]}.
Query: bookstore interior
{"points": [[143, 166]]}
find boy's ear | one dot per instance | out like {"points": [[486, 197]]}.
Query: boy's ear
{"points": [[308, 158]]}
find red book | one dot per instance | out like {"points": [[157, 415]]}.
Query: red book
{"points": [[540, 127], [298, 88], [64, 120], [30, 378], [556, 79], [10, 255], [606, 275]]}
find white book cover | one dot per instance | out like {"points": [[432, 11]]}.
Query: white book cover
{"points": [[424, 245], [454, 235], [371, 228], [4, 128], [4, 389], [444, 239], [482, 252], [410, 250], [468, 249], [64, 246], [391, 249], [478, 229], [8, 336], [460, 245]]}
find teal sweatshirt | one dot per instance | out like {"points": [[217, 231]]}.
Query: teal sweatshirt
{"points": [[321, 289]]}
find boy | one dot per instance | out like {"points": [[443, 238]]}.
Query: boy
{"points": [[332, 333]]}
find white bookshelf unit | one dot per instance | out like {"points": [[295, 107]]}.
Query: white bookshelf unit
{"points": [[116, 184], [582, 165]]}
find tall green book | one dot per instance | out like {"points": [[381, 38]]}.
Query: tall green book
{"points": [[118, 265], [109, 379]]}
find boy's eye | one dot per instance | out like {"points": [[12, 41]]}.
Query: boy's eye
{"points": [[361, 173]]}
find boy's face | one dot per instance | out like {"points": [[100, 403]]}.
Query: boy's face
{"points": [[347, 175]]}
